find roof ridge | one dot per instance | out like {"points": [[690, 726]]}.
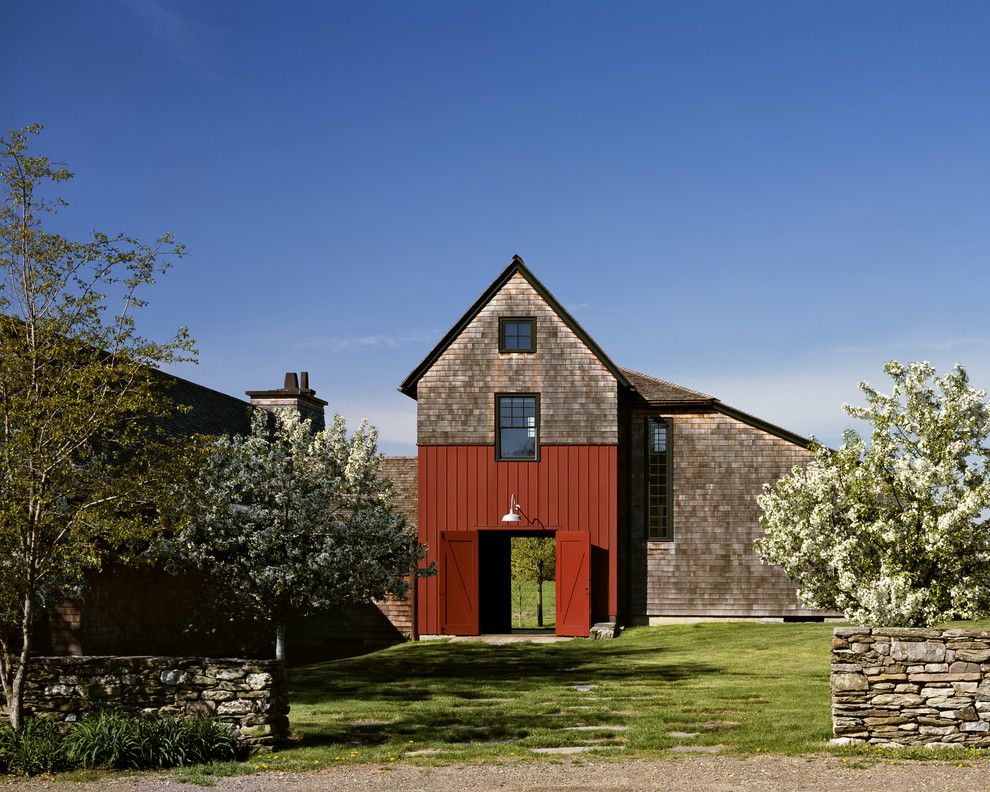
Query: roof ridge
{"points": [[626, 369]]}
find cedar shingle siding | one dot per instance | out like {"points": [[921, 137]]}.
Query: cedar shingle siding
{"points": [[710, 568], [456, 396]]}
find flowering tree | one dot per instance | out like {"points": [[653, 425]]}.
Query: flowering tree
{"points": [[893, 531], [292, 522]]}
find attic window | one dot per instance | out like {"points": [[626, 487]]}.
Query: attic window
{"points": [[517, 334]]}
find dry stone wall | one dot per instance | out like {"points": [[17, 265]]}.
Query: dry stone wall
{"points": [[249, 695], [902, 687]]}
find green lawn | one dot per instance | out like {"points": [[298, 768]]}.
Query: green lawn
{"points": [[524, 604], [751, 687]]}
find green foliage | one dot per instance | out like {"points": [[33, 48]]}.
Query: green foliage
{"points": [[534, 558], [114, 740], [110, 739], [37, 748], [893, 530], [82, 454]]}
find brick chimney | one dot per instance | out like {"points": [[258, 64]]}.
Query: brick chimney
{"points": [[295, 392]]}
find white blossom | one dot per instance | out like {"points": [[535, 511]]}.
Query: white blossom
{"points": [[893, 531], [293, 522]]}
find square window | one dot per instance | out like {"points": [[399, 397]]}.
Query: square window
{"points": [[517, 334], [517, 427]]}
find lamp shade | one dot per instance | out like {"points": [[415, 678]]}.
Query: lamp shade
{"points": [[512, 516]]}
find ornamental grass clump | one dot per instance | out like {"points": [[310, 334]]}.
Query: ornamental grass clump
{"points": [[35, 748], [115, 741], [123, 742], [892, 530]]}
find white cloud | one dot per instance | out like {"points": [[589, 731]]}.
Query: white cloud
{"points": [[364, 343]]}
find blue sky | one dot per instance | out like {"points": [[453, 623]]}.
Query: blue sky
{"points": [[761, 200]]}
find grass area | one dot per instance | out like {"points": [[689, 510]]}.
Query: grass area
{"points": [[524, 604], [750, 687]]}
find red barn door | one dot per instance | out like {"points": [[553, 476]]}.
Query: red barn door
{"points": [[573, 583], [459, 582]]}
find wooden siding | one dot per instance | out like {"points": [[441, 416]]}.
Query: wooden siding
{"points": [[572, 487], [578, 395], [710, 567]]}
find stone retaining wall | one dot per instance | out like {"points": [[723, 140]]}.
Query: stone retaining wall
{"points": [[250, 695], [904, 687]]}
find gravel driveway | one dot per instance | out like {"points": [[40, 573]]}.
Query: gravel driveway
{"points": [[716, 773]]}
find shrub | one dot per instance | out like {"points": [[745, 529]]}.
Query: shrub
{"points": [[36, 748], [123, 742]]}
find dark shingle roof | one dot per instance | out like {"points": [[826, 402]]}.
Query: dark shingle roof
{"points": [[654, 389], [210, 413]]}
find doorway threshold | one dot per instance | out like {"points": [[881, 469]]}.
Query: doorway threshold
{"points": [[537, 636]]}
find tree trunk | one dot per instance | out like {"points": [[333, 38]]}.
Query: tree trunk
{"points": [[15, 703], [280, 641], [539, 601]]}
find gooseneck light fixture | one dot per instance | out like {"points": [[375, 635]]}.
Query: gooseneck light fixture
{"points": [[512, 516]]}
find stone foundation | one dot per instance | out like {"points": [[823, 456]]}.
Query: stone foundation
{"points": [[901, 687], [249, 695]]}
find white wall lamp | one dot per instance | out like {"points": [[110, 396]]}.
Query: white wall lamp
{"points": [[512, 516]]}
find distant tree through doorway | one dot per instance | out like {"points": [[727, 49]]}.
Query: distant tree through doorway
{"points": [[533, 564]]}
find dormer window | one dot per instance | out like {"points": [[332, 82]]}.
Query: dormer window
{"points": [[517, 334]]}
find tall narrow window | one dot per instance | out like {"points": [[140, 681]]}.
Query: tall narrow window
{"points": [[516, 334], [517, 421], [659, 489]]}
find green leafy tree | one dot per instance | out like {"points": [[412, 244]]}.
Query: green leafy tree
{"points": [[534, 558], [291, 522], [892, 531], [81, 451]]}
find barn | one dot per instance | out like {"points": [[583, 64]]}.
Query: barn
{"points": [[525, 426]]}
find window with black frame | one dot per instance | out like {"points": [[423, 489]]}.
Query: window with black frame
{"points": [[659, 491], [517, 334], [517, 426]]}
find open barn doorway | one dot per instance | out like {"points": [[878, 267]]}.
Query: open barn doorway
{"points": [[516, 573]]}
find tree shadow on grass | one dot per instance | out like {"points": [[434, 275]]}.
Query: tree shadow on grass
{"points": [[466, 692]]}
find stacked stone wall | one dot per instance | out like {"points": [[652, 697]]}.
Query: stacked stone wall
{"points": [[249, 695], [902, 687]]}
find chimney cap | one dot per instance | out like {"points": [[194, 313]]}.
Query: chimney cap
{"points": [[294, 387]]}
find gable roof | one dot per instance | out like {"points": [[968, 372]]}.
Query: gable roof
{"points": [[517, 265]]}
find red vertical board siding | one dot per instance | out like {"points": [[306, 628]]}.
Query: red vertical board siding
{"points": [[462, 487]]}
